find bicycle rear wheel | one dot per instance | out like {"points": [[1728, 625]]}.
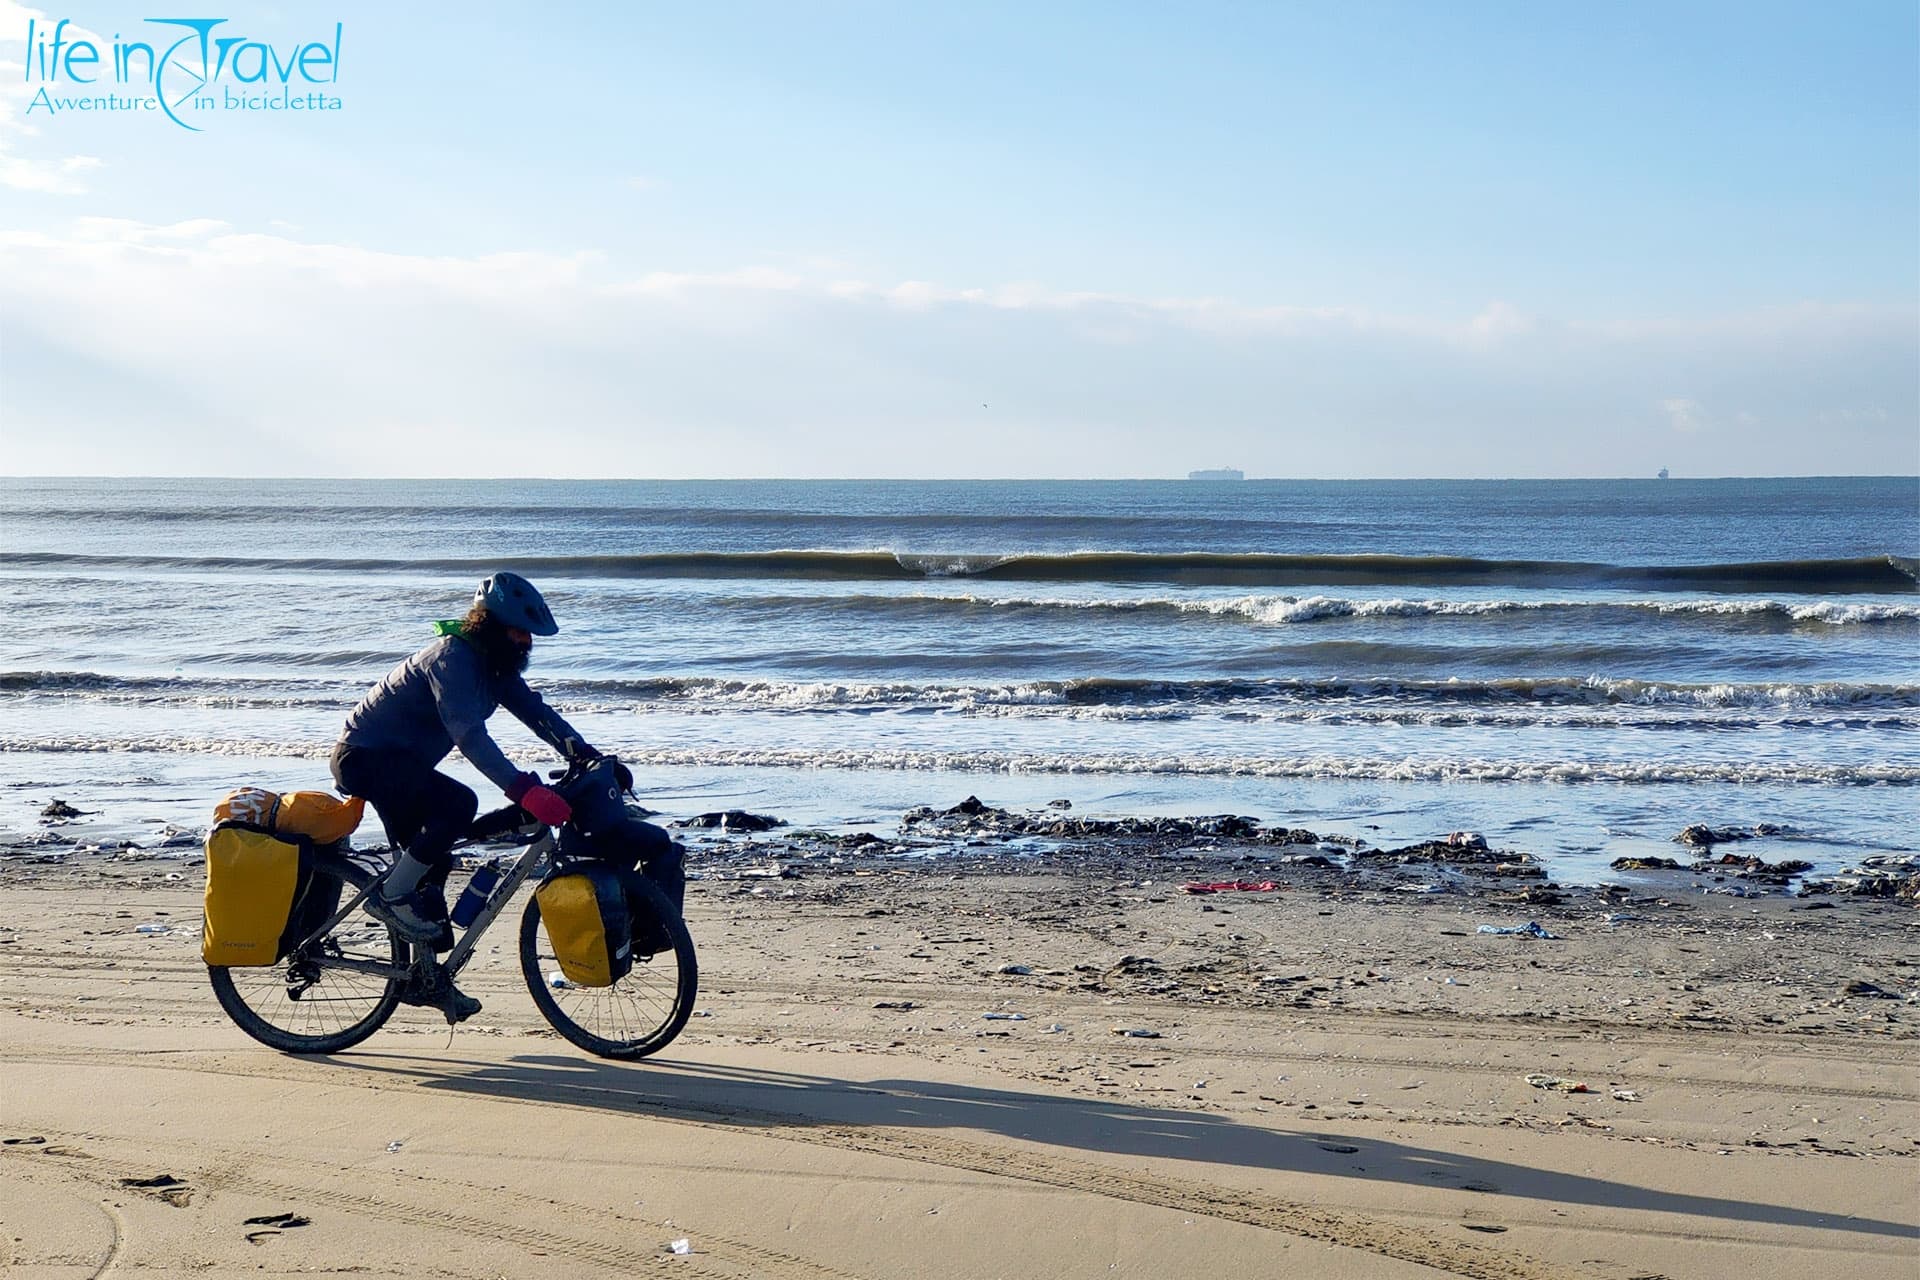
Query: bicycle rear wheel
{"points": [[303, 1005], [636, 1016]]}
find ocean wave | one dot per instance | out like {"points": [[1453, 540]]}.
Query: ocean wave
{"points": [[212, 690], [1228, 694], [1360, 768], [1202, 695], [1291, 610], [1887, 573]]}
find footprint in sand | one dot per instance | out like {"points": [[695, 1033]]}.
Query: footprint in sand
{"points": [[41, 1144], [273, 1224], [165, 1187]]}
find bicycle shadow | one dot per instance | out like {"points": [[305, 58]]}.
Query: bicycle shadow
{"points": [[751, 1098]]}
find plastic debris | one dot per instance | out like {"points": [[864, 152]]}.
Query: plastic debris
{"points": [[394, 1146], [1423, 888], [1004, 1017], [1557, 1082], [682, 1245], [1016, 969], [558, 981], [1055, 1029], [1138, 1033], [1627, 1095], [154, 928], [1232, 886], [1531, 929]]}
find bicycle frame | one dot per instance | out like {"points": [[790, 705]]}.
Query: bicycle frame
{"points": [[469, 938]]}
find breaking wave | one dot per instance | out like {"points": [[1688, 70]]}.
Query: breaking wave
{"points": [[1888, 573], [1191, 695], [986, 761]]}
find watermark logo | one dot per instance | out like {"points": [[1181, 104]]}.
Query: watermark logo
{"points": [[188, 70]]}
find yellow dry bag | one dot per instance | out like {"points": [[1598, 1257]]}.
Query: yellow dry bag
{"points": [[254, 881], [585, 911], [321, 817]]}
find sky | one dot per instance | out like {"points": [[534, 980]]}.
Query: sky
{"points": [[851, 239]]}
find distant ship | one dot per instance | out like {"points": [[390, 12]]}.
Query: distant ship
{"points": [[1663, 473], [1218, 473]]}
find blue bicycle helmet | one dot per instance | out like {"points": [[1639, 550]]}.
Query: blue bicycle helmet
{"points": [[512, 599]]}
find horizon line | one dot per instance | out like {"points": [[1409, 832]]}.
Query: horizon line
{"points": [[1146, 479]]}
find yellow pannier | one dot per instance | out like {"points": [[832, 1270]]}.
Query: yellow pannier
{"points": [[254, 881], [585, 912]]}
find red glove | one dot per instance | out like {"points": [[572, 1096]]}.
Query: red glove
{"points": [[543, 802]]}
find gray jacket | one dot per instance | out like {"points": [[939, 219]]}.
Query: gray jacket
{"points": [[440, 699]]}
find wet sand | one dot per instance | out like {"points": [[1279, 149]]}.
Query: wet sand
{"points": [[1336, 1084]]}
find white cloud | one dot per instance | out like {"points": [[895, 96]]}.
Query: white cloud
{"points": [[34, 172], [156, 347], [1685, 416], [51, 177]]}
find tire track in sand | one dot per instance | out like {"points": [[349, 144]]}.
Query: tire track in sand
{"points": [[1250, 1208], [738, 1258]]}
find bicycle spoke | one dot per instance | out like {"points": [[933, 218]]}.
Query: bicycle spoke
{"points": [[314, 1001], [638, 1014]]}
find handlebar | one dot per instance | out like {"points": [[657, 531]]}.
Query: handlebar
{"points": [[512, 817]]}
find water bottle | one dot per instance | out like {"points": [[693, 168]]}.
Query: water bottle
{"points": [[479, 889]]}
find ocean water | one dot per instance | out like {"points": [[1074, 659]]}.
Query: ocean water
{"points": [[1577, 668]]}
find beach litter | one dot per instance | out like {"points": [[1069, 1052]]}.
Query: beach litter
{"points": [[1540, 1081], [1627, 1095], [682, 1245], [1137, 1033], [1016, 969], [1004, 1017], [1233, 886], [154, 928], [1531, 929], [558, 981], [394, 1146]]}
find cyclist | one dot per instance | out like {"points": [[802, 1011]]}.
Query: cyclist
{"points": [[437, 700]]}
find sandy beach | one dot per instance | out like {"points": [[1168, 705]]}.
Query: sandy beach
{"points": [[1335, 1082]]}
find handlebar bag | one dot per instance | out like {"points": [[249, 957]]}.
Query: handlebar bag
{"points": [[255, 881], [585, 911]]}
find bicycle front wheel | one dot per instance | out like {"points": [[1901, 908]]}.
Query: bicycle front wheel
{"points": [[303, 1004], [636, 1016]]}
